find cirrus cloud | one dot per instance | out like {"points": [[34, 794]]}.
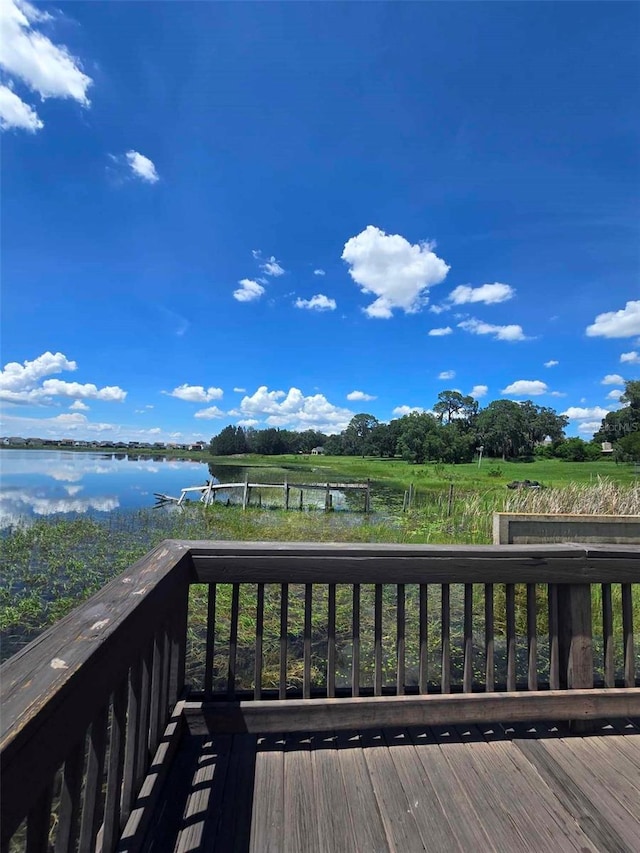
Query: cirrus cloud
{"points": [[396, 272]]}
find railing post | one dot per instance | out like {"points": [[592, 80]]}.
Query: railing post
{"points": [[575, 650]]}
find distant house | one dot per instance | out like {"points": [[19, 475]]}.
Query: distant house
{"points": [[607, 448], [16, 440], [317, 451]]}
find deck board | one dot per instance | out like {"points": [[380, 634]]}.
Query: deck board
{"points": [[483, 788]]}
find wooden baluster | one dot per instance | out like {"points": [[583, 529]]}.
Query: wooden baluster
{"points": [[91, 807], [165, 678], [142, 753], [131, 749], [69, 810], [510, 598], [554, 642], [467, 675], [111, 828], [575, 643], [607, 637], [331, 642], [306, 664], [445, 628], [355, 648], [156, 687], [400, 639], [178, 638], [489, 640], [532, 637], [211, 641], [284, 618], [627, 634], [257, 671], [39, 822], [423, 671], [377, 641], [233, 641]]}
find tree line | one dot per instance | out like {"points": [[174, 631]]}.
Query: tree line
{"points": [[453, 432]]}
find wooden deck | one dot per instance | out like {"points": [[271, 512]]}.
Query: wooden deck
{"points": [[487, 788]]}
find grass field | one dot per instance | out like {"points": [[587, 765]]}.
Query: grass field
{"points": [[492, 474]]}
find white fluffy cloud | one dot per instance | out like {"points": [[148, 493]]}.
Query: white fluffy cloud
{"points": [[21, 383], [489, 294], [210, 413], [88, 391], [615, 394], [630, 357], [577, 413], [612, 379], [21, 377], [292, 409], [29, 56], [319, 272], [401, 411], [479, 391], [439, 333], [500, 333], [142, 167], [398, 273], [526, 387], [248, 291], [240, 390], [589, 427], [360, 395], [617, 324], [15, 113], [447, 374], [195, 393], [551, 363], [79, 406], [319, 302]]}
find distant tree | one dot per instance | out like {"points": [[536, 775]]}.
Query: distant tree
{"points": [[357, 434], [453, 404], [417, 437], [229, 441], [502, 429], [624, 422]]}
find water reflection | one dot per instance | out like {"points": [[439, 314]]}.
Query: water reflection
{"points": [[47, 482]]}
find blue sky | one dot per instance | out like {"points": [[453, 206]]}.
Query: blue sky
{"points": [[288, 213]]}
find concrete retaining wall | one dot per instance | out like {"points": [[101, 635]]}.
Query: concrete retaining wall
{"points": [[511, 528]]}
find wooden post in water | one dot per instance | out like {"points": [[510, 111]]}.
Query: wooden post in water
{"points": [[327, 499], [301, 507], [245, 492], [286, 495], [367, 497], [405, 501]]}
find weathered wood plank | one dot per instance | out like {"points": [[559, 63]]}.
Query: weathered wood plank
{"points": [[267, 818], [423, 668], [284, 620], [233, 640], [607, 637], [211, 639], [445, 633], [397, 818], [554, 637], [400, 639], [331, 641], [532, 637], [39, 822], [300, 816], [423, 802], [267, 716], [510, 604], [467, 674], [361, 800], [234, 826], [257, 670], [355, 642], [331, 798], [627, 634], [377, 641], [306, 641]]}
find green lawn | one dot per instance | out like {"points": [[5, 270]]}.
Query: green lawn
{"points": [[493, 474]]}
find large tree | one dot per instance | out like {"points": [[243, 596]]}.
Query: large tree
{"points": [[357, 433]]}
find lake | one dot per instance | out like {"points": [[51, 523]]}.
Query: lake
{"points": [[37, 483]]}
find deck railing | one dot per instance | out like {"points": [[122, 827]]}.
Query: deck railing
{"points": [[294, 635]]}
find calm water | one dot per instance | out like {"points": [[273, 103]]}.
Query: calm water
{"points": [[43, 482], [38, 483]]}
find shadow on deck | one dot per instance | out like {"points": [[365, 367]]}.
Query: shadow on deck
{"points": [[477, 788]]}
